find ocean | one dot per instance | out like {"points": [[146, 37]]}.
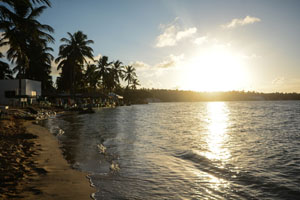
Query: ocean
{"points": [[203, 150]]}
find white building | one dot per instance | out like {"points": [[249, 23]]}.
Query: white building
{"points": [[30, 90]]}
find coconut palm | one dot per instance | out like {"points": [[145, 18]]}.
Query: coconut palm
{"points": [[39, 69], [18, 21], [5, 72], [91, 77], [71, 59], [135, 82], [103, 65], [104, 68], [118, 72], [108, 80], [21, 29], [10, 2], [129, 75]]}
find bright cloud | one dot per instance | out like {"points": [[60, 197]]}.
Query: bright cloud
{"points": [[97, 57], [186, 33], [3, 49], [167, 38], [200, 40], [139, 64], [171, 61], [172, 34], [252, 56], [278, 81], [54, 71], [241, 22]]}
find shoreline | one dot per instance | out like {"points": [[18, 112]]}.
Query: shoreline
{"points": [[60, 181], [32, 165]]}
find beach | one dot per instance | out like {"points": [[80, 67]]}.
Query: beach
{"points": [[33, 167]]}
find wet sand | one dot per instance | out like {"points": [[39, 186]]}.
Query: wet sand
{"points": [[33, 167]]}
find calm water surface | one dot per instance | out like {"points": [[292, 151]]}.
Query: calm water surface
{"points": [[207, 150]]}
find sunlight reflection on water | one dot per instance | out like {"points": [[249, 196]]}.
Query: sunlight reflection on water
{"points": [[216, 137]]}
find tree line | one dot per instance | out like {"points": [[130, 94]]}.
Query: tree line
{"points": [[28, 51], [164, 95]]}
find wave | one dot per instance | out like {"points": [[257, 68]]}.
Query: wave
{"points": [[240, 178]]}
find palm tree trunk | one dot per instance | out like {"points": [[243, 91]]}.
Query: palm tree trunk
{"points": [[20, 85]]}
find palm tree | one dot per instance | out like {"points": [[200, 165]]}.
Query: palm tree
{"points": [[5, 72], [72, 57], [117, 72], [135, 82], [20, 30], [129, 74], [104, 70], [39, 69], [91, 77], [10, 2]]}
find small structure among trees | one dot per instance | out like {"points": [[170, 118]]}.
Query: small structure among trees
{"points": [[11, 95]]}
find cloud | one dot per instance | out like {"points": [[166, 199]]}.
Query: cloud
{"points": [[252, 56], [171, 61], [186, 33], [168, 62], [278, 81], [241, 22], [96, 58], [3, 49], [139, 64], [54, 71], [173, 33], [168, 38], [200, 40]]}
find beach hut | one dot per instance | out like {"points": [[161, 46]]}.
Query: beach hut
{"points": [[10, 94], [116, 99]]}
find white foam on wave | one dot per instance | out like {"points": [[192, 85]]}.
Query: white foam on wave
{"points": [[60, 132], [93, 195], [114, 167], [101, 148]]}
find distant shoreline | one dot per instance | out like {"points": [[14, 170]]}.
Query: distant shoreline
{"points": [[164, 95]]}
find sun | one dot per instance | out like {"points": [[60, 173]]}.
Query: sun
{"points": [[217, 68]]}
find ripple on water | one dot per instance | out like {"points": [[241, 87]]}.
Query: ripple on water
{"points": [[207, 150]]}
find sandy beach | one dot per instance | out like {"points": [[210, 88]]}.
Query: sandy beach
{"points": [[33, 167]]}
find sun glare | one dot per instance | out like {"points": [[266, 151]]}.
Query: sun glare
{"points": [[216, 69]]}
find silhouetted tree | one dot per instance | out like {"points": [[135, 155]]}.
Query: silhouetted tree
{"points": [[103, 67], [72, 57], [21, 30], [39, 69], [129, 75], [5, 71], [117, 73], [135, 83], [91, 77]]}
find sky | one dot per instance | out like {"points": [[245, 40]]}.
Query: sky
{"points": [[193, 44]]}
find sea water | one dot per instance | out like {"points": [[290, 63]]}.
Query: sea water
{"points": [[205, 150]]}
